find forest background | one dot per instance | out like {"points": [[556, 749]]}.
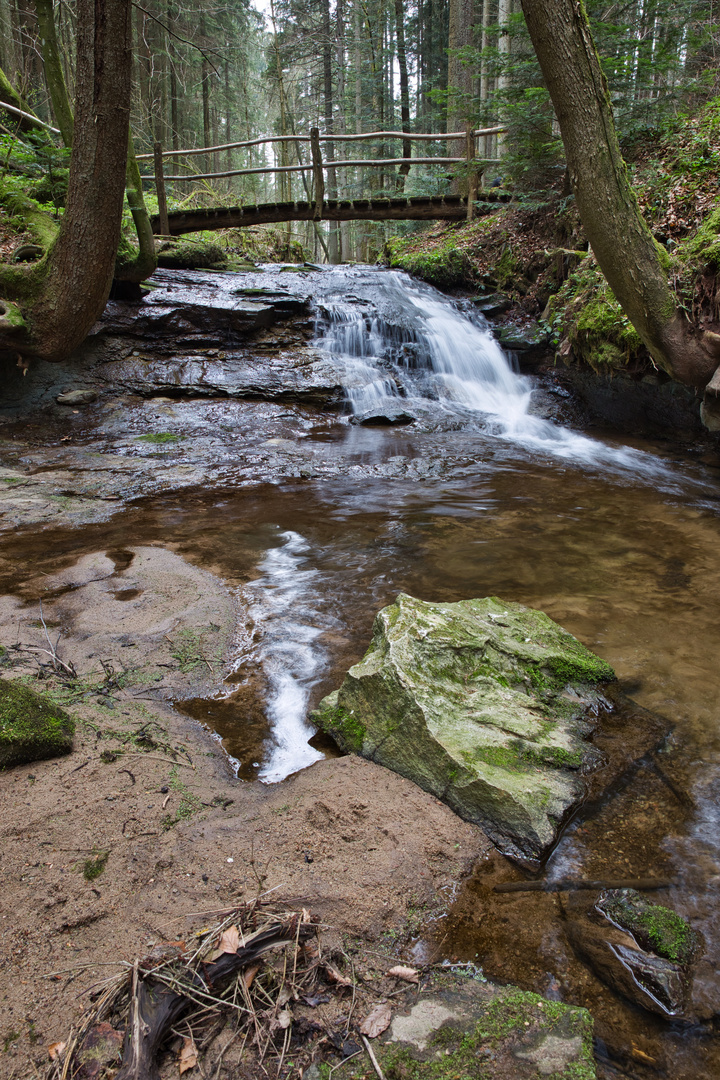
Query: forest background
{"points": [[212, 74]]}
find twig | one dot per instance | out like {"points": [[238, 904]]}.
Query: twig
{"points": [[79, 767], [343, 1062], [53, 649], [372, 1057], [153, 757]]}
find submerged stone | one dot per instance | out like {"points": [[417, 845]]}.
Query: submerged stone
{"points": [[655, 927], [486, 704], [653, 982], [31, 726]]}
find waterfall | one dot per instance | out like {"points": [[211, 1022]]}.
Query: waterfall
{"points": [[404, 347]]}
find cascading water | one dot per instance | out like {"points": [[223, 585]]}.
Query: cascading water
{"points": [[407, 349]]}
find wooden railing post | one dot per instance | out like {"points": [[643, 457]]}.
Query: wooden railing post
{"points": [[471, 170], [318, 179], [160, 188]]}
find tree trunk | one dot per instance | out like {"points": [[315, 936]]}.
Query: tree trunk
{"points": [[404, 91], [333, 232], [503, 83], [145, 262], [72, 283], [54, 77], [621, 240], [460, 35]]}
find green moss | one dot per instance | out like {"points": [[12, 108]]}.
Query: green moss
{"points": [[94, 866], [512, 1015], [506, 268], [186, 254], [346, 729], [586, 312], [445, 267], [654, 926], [160, 437], [27, 215], [703, 247], [31, 726]]}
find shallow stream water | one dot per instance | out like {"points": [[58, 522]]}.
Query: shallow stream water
{"points": [[617, 543]]}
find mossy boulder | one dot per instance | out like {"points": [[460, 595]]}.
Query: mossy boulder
{"points": [[191, 255], [488, 705], [31, 726]]}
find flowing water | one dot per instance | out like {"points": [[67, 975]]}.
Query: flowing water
{"points": [[480, 496]]}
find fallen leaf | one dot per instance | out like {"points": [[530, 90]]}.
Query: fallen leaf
{"points": [[188, 1055], [376, 1021], [285, 1018], [55, 1050], [334, 976], [284, 995], [249, 975], [407, 973], [229, 940]]}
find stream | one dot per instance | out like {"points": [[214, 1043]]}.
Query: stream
{"points": [[473, 491]]}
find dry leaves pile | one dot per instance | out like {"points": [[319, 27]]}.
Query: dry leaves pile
{"points": [[242, 988]]}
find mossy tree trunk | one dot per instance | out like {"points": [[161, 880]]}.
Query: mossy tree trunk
{"points": [[141, 265], [52, 65], [145, 262], [11, 97], [63, 295], [625, 249]]}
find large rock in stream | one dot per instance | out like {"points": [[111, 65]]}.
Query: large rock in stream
{"points": [[490, 706]]}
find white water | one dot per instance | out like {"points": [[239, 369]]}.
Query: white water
{"points": [[434, 357], [283, 607]]}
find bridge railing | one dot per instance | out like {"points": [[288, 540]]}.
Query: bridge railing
{"points": [[318, 166]]}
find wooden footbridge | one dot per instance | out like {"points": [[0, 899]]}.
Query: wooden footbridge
{"points": [[317, 207], [424, 208]]}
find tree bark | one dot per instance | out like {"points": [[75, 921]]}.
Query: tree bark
{"points": [[404, 91], [621, 240], [72, 283], [333, 232], [460, 36], [52, 64]]}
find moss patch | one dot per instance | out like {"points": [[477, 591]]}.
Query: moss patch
{"points": [[522, 1020], [31, 727], [655, 927], [94, 865], [445, 267], [586, 314], [191, 255], [160, 437]]}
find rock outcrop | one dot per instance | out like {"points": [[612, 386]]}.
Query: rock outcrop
{"points": [[489, 705]]}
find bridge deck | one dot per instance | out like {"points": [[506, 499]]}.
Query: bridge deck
{"points": [[426, 208]]}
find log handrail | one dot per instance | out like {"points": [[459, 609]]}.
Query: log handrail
{"points": [[361, 162], [434, 137]]}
